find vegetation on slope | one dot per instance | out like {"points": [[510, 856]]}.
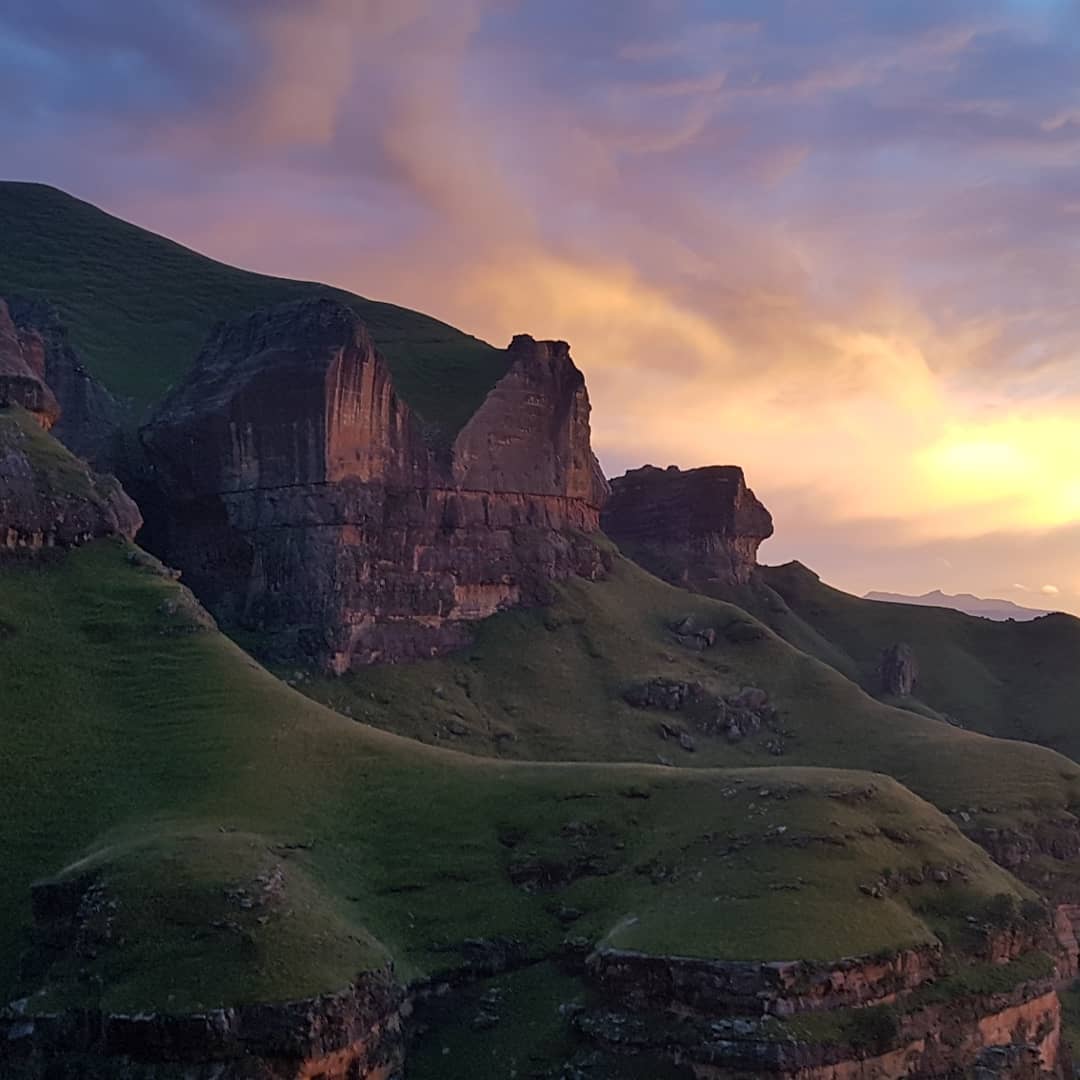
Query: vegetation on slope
{"points": [[1015, 680], [138, 307], [56, 470], [550, 684], [144, 747]]}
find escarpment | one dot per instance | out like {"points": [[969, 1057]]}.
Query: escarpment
{"points": [[695, 528], [303, 502]]}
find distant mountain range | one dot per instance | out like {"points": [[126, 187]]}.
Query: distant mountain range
{"points": [[965, 602]]}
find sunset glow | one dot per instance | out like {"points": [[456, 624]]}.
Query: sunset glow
{"points": [[833, 244]]}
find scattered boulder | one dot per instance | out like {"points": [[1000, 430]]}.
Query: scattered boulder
{"points": [[693, 636], [736, 716]]}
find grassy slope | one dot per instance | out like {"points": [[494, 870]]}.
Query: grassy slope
{"points": [[1017, 680], [549, 683], [57, 469], [180, 769], [139, 307]]}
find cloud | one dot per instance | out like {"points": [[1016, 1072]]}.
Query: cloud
{"points": [[1050, 590], [832, 243]]}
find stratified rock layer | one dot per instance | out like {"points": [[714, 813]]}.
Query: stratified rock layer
{"points": [[304, 502], [692, 528], [354, 1034]]}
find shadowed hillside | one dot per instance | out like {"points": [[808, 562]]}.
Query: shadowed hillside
{"points": [[1017, 680], [139, 306], [190, 778]]}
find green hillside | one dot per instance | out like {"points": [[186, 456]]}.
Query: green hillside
{"points": [[1016, 680], [139, 306], [549, 684], [158, 756], [234, 838]]}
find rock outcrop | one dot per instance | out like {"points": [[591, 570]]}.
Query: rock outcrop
{"points": [[48, 498], [699, 529], [90, 418], [22, 371], [897, 670], [354, 1034], [303, 502], [896, 1018]]}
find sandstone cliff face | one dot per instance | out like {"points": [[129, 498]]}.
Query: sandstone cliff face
{"points": [[22, 371], [354, 1034], [89, 416], [47, 497], [304, 502], [714, 1018], [696, 528]]}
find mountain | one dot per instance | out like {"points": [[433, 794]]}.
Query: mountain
{"points": [[138, 308], [613, 827], [998, 610]]}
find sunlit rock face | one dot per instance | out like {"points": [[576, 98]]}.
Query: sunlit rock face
{"points": [[22, 371], [693, 528], [303, 502]]}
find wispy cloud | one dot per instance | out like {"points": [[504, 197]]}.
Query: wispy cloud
{"points": [[833, 243]]}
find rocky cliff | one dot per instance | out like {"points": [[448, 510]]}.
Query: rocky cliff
{"points": [[354, 1034], [48, 497], [22, 371], [695, 528], [90, 418], [303, 502]]}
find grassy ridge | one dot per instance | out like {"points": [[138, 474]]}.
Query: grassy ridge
{"points": [[165, 758], [549, 684], [139, 306], [1015, 680]]}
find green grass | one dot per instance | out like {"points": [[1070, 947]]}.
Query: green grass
{"points": [[549, 684], [139, 307], [1015, 680], [163, 757], [57, 472], [531, 1033]]}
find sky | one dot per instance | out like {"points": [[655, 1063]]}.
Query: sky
{"points": [[832, 241]]}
